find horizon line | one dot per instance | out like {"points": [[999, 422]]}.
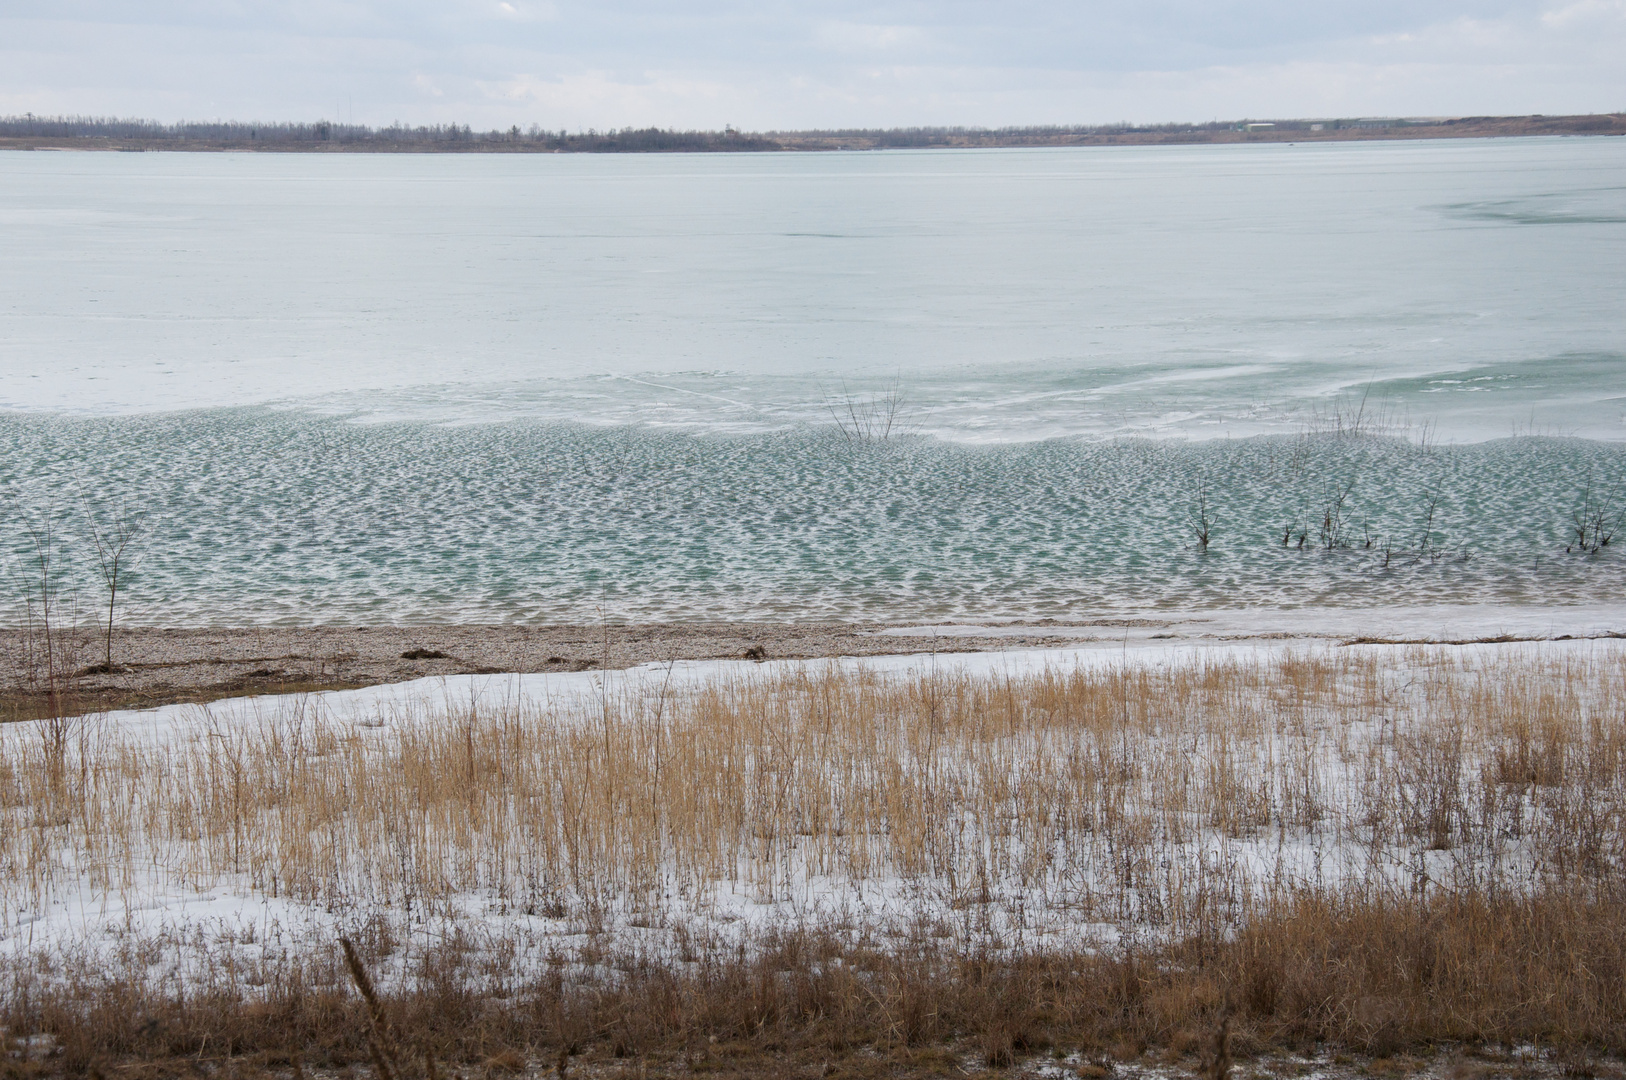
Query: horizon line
{"points": [[32, 131]]}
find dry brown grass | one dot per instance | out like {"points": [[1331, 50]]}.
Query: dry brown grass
{"points": [[1371, 979], [1378, 849]]}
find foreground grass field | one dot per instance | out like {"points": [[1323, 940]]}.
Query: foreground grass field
{"points": [[1394, 853]]}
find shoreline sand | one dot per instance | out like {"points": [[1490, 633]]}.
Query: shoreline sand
{"points": [[158, 666]]}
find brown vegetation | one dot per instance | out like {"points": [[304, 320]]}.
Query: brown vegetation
{"points": [[1380, 850], [1375, 979]]}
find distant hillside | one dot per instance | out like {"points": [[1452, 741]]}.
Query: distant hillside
{"points": [[107, 133], [1232, 131]]}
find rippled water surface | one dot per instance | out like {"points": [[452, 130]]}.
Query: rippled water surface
{"points": [[267, 516], [358, 388]]}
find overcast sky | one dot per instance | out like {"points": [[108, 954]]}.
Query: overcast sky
{"points": [[813, 63]]}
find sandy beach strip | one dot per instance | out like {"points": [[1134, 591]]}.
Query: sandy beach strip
{"points": [[157, 666]]}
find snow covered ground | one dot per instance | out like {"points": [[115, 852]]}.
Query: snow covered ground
{"points": [[1238, 770]]}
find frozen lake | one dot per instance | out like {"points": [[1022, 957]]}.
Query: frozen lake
{"points": [[360, 388]]}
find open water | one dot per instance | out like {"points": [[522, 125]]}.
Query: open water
{"points": [[359, 388]]}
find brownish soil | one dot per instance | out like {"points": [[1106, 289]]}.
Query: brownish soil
{"points": [[154, 666]]}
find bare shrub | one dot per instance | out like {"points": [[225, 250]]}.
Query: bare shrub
{"points": [[1593, 523], [873, 418], [113, 542], [1200, 518]]}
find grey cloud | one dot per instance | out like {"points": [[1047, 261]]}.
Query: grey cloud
{"points": [[567, 63]]}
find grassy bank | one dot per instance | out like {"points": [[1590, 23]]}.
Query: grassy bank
{"points": [[1376, 850]]}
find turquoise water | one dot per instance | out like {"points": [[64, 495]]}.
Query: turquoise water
{"points": [[267, 517], [363, 389]]}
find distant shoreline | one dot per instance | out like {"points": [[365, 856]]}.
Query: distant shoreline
{"points": [[77, 133]]}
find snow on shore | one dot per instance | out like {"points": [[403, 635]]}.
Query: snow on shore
{"points": [[95, 912]]}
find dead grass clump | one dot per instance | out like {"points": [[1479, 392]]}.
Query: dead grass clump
{"points": [[1377, 977]]}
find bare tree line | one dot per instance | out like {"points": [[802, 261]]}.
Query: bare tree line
{"points": [[327, 134], [135, 133]]}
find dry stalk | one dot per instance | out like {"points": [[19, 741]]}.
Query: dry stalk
{"points": [[379, 1045], [1218, 1065]]}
